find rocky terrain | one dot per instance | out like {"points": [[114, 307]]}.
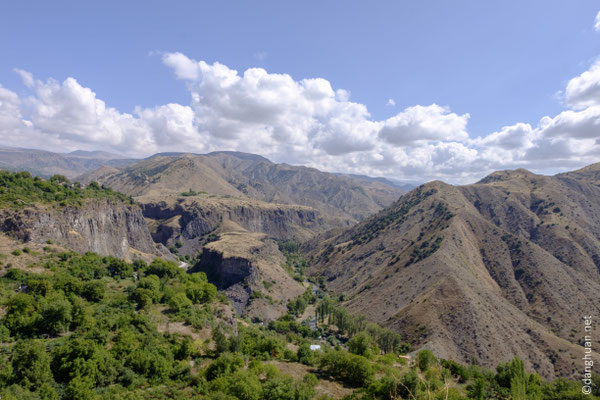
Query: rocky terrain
{"points": [[248, 267], [507, 266], [104, 226], [185, 222], [484, 272], [341, 200]]}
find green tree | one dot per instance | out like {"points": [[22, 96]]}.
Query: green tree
{"points": [[56, 316], [77, 358], [80, 388], [304, 354], [363, 344], [221, 342], [94, 290], [425, 359], [225, 364], [163, 269], [31, 364], [179, 302], [21, 314]]}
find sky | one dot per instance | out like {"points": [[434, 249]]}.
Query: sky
{"points": [[409, 90]]}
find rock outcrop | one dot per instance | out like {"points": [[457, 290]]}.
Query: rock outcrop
{"points": [[186, 222], [108, 227], [248, 267]]}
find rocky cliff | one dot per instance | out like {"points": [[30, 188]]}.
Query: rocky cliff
{"points": [[186, 221], [248, 267], [104, 226]]}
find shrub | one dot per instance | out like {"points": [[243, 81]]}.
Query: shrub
{"points": [[56, 316], [305, 354], [179, 302], [353, 369], [424, 359], [363, 344], [226, 363], [94, 290], [31, 364], [163, 269]]}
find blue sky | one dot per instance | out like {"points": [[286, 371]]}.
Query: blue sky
{"points": [[496, 65]]}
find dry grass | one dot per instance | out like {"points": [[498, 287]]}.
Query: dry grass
{"points": [[325, 387]]}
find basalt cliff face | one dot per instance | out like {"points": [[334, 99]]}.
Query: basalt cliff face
{"points": [[248, 267], [505, 267], [186, 222], [108, 227]]}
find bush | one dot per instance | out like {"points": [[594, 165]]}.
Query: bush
{"points": [[363, 344], [226, 363], [179, 302], [31, 364], [56, 316], [425, 359], [305, 355], [94, 290], [350, 368], [163, 269]]}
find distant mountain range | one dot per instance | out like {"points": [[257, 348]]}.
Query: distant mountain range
{"points": [[45, 163]]}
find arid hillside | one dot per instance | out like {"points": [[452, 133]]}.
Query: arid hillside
{"points": [[342, 200], [504, 267]]}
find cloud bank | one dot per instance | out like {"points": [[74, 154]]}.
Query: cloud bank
{"points": [[301, 122]]}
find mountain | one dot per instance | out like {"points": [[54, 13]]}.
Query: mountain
{"points": [[96, 154], [191, 202], [45, 163], [248, 267], [504, 267], [406, 186], [342, 200]]}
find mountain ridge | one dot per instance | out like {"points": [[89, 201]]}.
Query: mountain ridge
{"points": [[497, 268]]}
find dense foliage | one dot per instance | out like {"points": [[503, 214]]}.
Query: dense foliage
{"points": [[90, 327], [295, 262], [20, 189]]}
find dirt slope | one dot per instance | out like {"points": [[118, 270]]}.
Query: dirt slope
{"points": [[504, 267]]}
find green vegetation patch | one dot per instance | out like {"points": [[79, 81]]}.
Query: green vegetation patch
{"points": [[20, 189]]}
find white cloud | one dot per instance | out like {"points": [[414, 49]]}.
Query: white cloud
{"points": [[184, 67], [584, 90], [26, 76], [424, 123], [597, 22], [391, 103], [511, 137], [301, 122]]}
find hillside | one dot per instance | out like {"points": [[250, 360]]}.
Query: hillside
{"points": [[501, 268], [342, 200], [45, 163], [249, 268], [91, 327], [80, 218], [184, 222]]}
